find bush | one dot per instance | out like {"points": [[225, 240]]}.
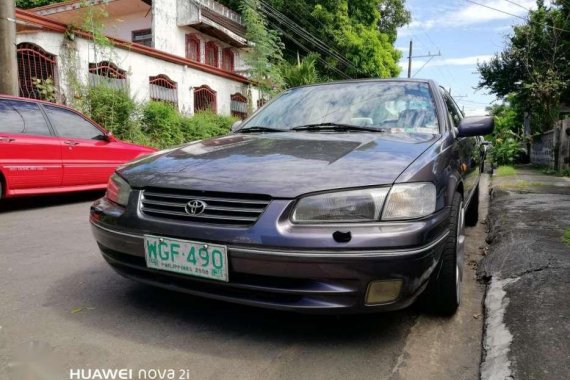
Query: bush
{"points": [[112, 108], [204, 125], [156, 124], [165, 126]]}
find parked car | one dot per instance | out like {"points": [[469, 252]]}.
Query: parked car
{"points": [[340, 197], [47, 148]]}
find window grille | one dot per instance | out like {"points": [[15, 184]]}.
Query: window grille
{"points": [[204, 99], [34, 63], [108, 74], [238, 105], [162, 88]]}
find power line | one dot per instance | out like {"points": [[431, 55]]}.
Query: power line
{"points": [[517, 4], [303, 33], [514, 15]]}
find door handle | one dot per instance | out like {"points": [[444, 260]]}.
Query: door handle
{"points": [[72, 143], [7, 139]]}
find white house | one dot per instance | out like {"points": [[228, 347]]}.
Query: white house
{"points": [[188, 52]]}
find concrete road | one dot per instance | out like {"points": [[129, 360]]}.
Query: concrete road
{"points": [[63, 308]]}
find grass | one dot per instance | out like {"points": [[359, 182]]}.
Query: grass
{"points": [[505, 171], [566, 236]]}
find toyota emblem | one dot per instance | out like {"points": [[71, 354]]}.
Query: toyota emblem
{"points": [[195, 207]]}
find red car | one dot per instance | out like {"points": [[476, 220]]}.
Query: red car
{"points": [[47, 148]]}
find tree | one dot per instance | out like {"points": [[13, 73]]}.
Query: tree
{"points": [[534, 66], [301, 73], [265, 54], [362, 31]]}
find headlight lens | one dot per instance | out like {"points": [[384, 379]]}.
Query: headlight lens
{"points": [[410, 201], [118, 190], [347, 206]]}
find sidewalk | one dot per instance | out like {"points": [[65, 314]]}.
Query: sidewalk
{"points": [[527, 305]]}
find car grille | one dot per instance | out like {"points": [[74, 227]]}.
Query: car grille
{"points": [[221, 208]]}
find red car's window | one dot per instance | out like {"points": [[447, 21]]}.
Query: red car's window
{"points": [[18, 117], [71, 125]]}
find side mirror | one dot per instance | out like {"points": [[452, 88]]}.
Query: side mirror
{"points": [[235, 126], [108, 136], [476, 126]]}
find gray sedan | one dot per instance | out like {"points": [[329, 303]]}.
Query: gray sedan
{"points": [[340, 197]]}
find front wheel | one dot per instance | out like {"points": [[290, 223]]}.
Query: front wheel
{"points": [[472, 212], [443, 294]]}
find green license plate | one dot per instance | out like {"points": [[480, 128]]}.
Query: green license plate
{"points": [[187, 257]]}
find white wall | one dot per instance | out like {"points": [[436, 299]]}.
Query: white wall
{"points": [[122, 27], [139, 68]]}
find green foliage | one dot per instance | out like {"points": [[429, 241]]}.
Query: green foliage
{"points": [[566, 236], [46, 88], [362, 31], [505, 171], [535, 64], [559, 173], [165, 126], [265, 56], [302, 73], [508, 137], [110, 107], [26, 4]]}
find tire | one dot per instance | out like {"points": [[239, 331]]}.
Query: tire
{"points": [[472, 212], [443, 293]]}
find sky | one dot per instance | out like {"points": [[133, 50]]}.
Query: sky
{"points": [[465, 33]]}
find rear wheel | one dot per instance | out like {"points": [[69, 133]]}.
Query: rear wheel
{"points": [[472, 212], [443, 294]]}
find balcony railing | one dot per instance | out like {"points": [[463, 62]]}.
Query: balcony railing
{"points": [[221, 10]]}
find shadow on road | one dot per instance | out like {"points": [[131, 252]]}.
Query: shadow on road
{"points": [[27, 203], [122, 308]]}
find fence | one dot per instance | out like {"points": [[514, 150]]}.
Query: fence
{"points": [[552, 148]]}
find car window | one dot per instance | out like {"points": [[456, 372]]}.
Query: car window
{"points": [[392, 106], [71, 125], [455, 114], [19, 117]]}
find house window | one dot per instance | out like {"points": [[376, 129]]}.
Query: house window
{"points": [[193, 47], [228, 59], [204, 99], [143, 37], [34, 63], [162, 88], [212, 54], [108, 74], [261, 102], [238, 105]]}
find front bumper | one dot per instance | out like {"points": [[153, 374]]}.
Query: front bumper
{"points": [[314, 280]]}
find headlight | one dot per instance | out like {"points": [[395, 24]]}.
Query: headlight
{"points": [[118, 190], [410, 201], [347, 206]]}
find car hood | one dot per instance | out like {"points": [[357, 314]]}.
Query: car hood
{"points": [[283, 165]]}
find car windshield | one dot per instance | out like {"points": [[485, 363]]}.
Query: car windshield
{"points": [[387, 106]]}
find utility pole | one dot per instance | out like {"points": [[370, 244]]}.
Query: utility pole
{"points": [[410, 61], [8, 60], [410, 57]]}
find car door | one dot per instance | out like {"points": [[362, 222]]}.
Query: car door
{"points": [[86, 154], [30, 153], [468, 149]]}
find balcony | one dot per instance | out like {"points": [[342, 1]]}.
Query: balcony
{"points": [[214, 19]]}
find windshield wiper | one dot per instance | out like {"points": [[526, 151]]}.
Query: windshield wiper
{"points": [[336, 127], [260, 128]]}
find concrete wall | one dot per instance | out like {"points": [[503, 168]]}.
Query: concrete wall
{"points": [[556, 142], [139, 67], [123, 26]]}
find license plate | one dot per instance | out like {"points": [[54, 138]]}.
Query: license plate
{"points": [[187, 257]]}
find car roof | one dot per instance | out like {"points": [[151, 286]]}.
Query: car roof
{"points": [[369, 80]]}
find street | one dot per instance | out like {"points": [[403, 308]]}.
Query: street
{"points": [[64, 308]]}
